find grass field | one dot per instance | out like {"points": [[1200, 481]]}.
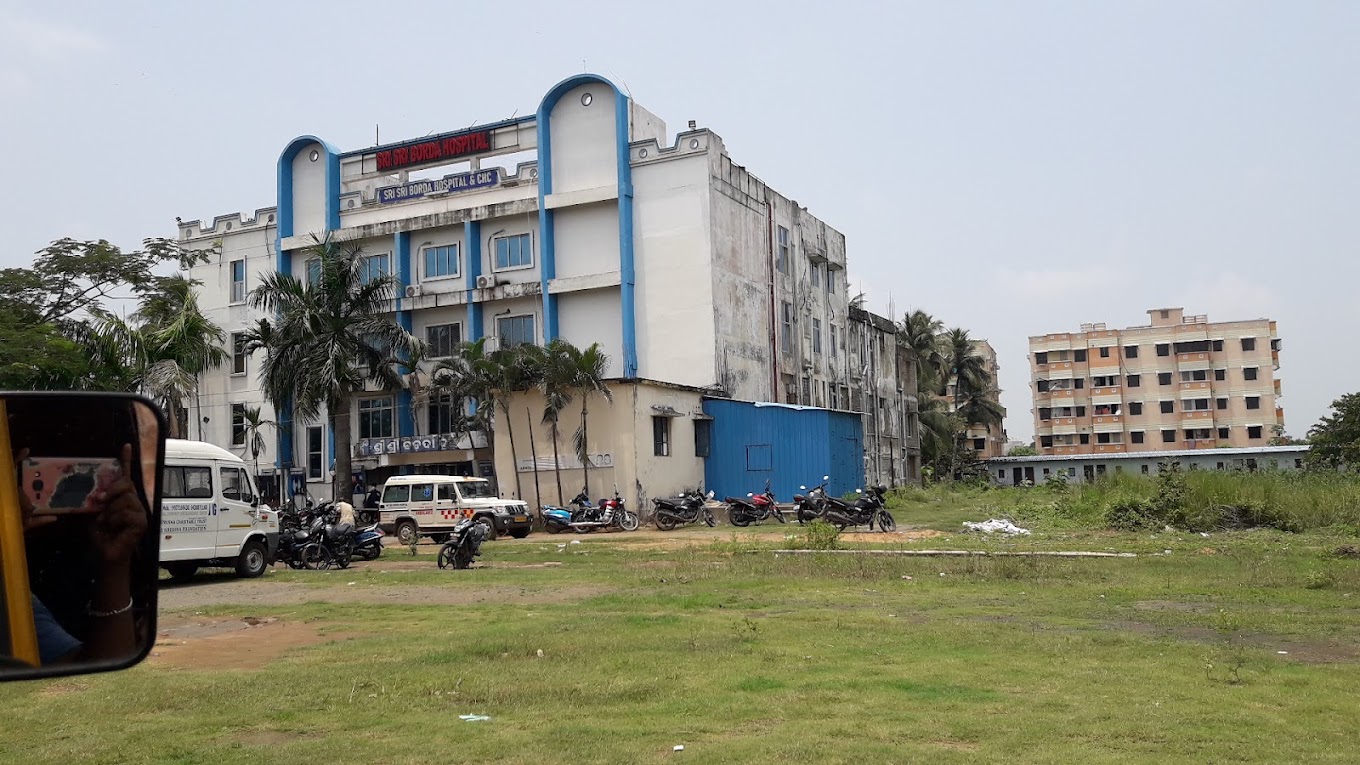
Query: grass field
{"points": [[707, 639]]}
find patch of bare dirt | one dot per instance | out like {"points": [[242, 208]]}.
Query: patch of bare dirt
{"points": [[461, 592], [248, 643], [879, 537], [1319, 651]]}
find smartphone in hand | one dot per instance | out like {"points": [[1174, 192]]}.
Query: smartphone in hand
{"points": [[63, 485]]}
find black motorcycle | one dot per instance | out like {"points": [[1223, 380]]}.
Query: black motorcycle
{"points": [[332, 542], [811, 506], [685, 509], [868, 510], [463, 545], [754, 509], [298, 528]]}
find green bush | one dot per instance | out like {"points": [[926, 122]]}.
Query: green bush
{"points": [[820, 535], [1133, 515]]}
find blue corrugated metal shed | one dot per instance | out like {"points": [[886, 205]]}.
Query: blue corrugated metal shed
{"points": [[786, 445]]}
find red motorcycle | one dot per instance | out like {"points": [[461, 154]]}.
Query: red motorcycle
{"points": [[754, 509]]}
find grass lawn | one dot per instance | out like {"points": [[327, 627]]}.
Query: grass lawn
{"points": [[743, 656]]}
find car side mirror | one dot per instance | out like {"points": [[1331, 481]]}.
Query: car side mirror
{"points": [[74, 601]]}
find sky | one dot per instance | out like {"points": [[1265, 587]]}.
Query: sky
{"points": [[1012, 168]]}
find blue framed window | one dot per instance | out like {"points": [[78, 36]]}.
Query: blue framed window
{"points": [[515, 330], [514, 252], [443, 340], [238, 281], [374, 267], [441, 261], [375, 417]]}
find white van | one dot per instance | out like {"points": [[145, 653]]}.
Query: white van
{"points": [[413, 506], [211, 514]]}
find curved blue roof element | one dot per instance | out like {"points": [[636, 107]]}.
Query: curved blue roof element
{"points": [[285, 183]]}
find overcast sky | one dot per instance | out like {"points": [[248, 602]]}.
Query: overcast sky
{"points": [[1013, 168]]}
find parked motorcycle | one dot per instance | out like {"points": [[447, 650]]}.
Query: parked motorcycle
{"points": [[299, 527], [811, 506], [368, 543], [584, 517], [683, 510], [754, 509], [868, 510], [463, 545], [332, 542]]}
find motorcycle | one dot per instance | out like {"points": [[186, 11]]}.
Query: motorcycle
{"points": [[332, 542], [368, 542], [868, 510], [583, 517], [463, 545], [754, 509], [298, 527], [811, 506], [683, 510]]}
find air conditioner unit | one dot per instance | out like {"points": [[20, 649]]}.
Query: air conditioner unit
{"points": [[413, 291], [486, 282]]}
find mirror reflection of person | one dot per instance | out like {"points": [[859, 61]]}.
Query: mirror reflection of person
{"points": [[115, 532]]}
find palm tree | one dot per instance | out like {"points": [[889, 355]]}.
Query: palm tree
{"points": [[963, 367], [405, 374], [921, 333], [557, 377], [589, 367], [254, 425], [163, 346], [329, 336]]}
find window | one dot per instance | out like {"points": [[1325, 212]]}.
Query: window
{"points": [[1046, 442], [1085, 438], [703, 438], [514, 252], [442, 415], [1130, 351], [443, 339], [1136, 436], [1248, 343], [1223, 433], [396, 494], [830, 281], [374, 267], [1080, 382], [1045, 413], [1071, 472], [1135, 381], [1168, 407], [1249, 373], [1041, 358], [1195, 375], [1163, 349], [235, 485], [441, 261], [781, 259], [806, 400], [375, 417], [831, 346], [1253, 402], [786, 326], [515, 330], [1254, 432], [313, 266], [1105, 352], [1194, 346], [1194, 404], [1143, 468], [1221, 403], [1220, 375], [817, 336], [314, 459], [1135, 407], [1197, 434], [1218, 346], [1103, 438], [979, 444], [1079, 355], [1163, 378], [816, 275], [447, 493], [1081, 411], [238, 353], [661, 436], [186, 483], [1105, 381], [238, 281], [1041, 386], [1168, 436], [238, 424]]}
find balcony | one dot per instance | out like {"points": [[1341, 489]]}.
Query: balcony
{"points": [[1111, 448], [1275, 359], [1054, 395], [1279, 416], [1096, 362], [1194, 385], [1107, 419], [1199, 443], [1052, 366], [1199, 415], [1192, 357], [1277, 389]]}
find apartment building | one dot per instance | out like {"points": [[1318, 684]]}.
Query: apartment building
{"points": [[987, 441], [1179, 382]]}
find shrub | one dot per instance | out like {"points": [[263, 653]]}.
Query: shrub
{"points": [[820, 535], [1133, 515]]}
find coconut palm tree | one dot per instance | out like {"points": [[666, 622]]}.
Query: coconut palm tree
{"points": [[589, 367], [964, 369], [921, 333], [163, 346], [255, 423], [557, 375], [330, 335]]}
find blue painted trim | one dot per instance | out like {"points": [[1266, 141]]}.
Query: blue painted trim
{"points": [[330, 438], [472, 264], [406, 418], [548, 248]]}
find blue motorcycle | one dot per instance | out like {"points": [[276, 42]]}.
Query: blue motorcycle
{"points": [[368, 543], [558, 519]]}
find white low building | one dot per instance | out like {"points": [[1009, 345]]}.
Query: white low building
{"points": [[585, 220], [1083, 468]]}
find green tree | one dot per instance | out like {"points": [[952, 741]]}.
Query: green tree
{"points": [[330, 336], [589, 366], [1335, 438], [921, 333], [556, 380], [1023, 450], [255, 423]]}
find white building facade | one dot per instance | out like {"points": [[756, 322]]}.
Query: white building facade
{"points": [[583, 221]]}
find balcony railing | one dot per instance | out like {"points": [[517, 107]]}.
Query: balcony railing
{"points": [[1197, 414], [1195, 385], [1111, 448]]}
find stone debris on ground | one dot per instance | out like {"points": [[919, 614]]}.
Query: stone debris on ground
{"points": [[995, 525]]}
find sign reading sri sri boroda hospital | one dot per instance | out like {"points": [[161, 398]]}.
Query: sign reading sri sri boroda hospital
{"points": [[449, 184], [372, 447], [435, 149]]}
